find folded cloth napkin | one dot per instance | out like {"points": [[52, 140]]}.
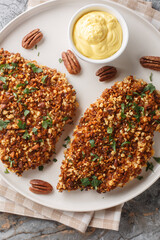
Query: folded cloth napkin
{"points": [[13, 202]]}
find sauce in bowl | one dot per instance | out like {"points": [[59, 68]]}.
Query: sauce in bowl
{"points": [[97, 35]]}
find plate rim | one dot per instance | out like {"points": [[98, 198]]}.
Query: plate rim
{"points": [[13, 23]]}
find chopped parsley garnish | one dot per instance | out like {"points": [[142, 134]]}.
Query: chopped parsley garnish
{"points": [[140, 94], [150, 77], [36, 46], [150, 166], [38, 54], [129, 97], [113, 145], [26, 135], [60, 60], [123, 116], [43, 79], [130, 126], [92, 143], [3, 79], [109, 130], [152, 113], [22, 84], [124, 143], [15, 95], [5, 86], [54, 160], [19, 99], [21, 125], [65, 118], [6, 171], [34, 68], [26, 112], [85, 182], [7, 66], [83, 154], [11, 161], [95, 156], [139, 177], [35, 130], [95, 182], [33, 89], [39, 140], [138, 109], [26, 91], [40, 168], [67, 140], [157, 159], [47, 122], [3, 124], [150, 87], [129, 155]]}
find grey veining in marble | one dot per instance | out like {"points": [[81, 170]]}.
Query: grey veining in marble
{"points": [[140, 216]]}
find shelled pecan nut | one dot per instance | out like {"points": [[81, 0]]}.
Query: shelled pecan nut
{"points": [[105, 73], [32, 38], [40, 186], [150, 62], [71, 62]]}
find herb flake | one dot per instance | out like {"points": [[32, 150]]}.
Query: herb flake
{"points": [[40, 168], [21, 125], [26, 135], [34, 68], [124, 143], [85, 182], [95, 182], [123, 116], [139, 177], [3, 124], [6, 171], [35, 130], [150, 77], [43, 79], [110, 130], [92, 143], [157, 159], [150, 166], [95, 156], [26, 112], [60, 60]]}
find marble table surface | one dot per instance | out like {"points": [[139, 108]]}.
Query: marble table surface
{"points": [[140, 216]]}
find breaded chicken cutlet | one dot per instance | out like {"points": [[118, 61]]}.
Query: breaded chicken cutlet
{"points": [[114, 138], [35, 104]]}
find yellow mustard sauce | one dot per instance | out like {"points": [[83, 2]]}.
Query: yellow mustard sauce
{"points": [[97, 35]]}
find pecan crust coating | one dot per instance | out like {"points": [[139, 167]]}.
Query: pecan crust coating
{"points": [[113, 140], [35, 104]]}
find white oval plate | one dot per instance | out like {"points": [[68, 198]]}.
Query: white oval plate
{"points": [[53, 18]]}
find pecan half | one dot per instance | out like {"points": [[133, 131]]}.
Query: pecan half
{"points": [[150, 62], [105, 73], [71, 62], [40, 186], [32, 38]]}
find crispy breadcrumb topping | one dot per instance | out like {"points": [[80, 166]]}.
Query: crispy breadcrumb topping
{"points": [[35, 104], [114, 138]]}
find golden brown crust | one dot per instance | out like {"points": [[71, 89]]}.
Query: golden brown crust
{"points": [[36, 103], [114, 138]]}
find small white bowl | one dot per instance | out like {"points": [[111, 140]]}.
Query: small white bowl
{"points": [[98, 7]]}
